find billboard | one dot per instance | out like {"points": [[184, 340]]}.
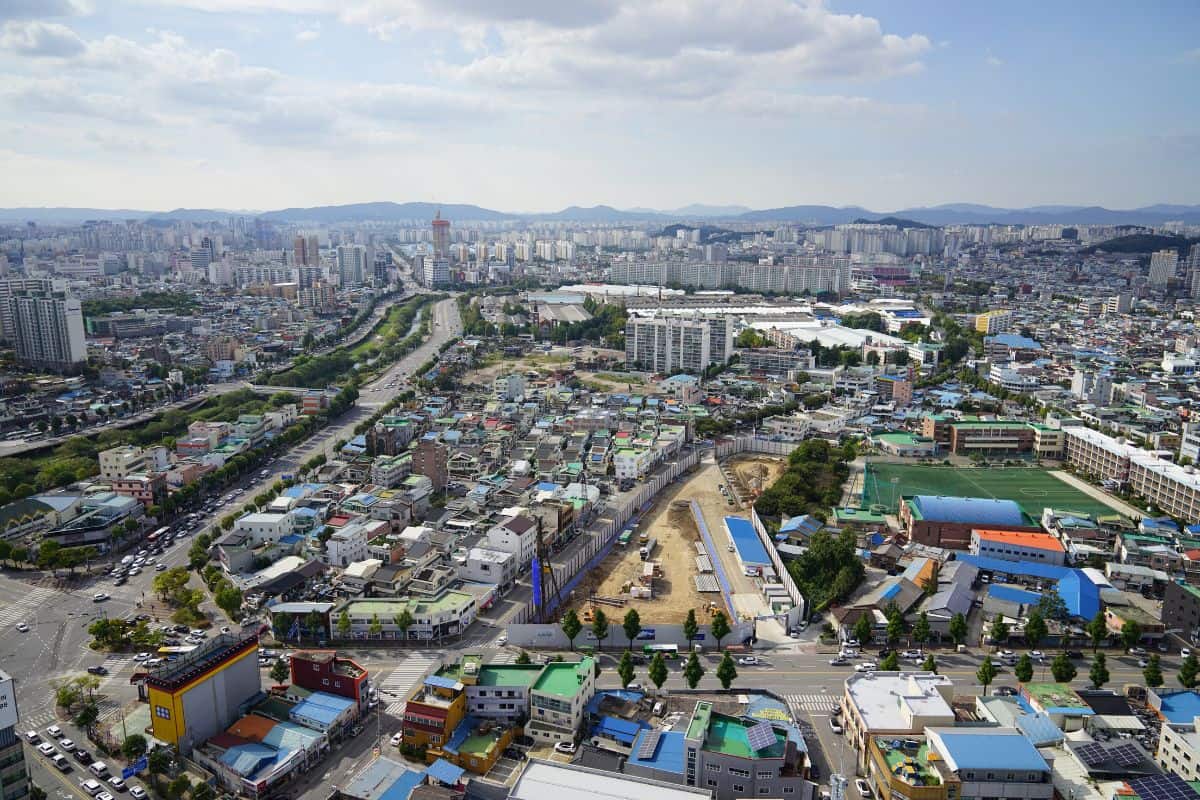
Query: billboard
{"points": [[536, 577], [8, 702]]}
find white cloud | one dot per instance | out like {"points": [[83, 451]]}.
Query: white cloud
{"points": [[40, 39], [31, 9], [308, 35], [992, 60]]}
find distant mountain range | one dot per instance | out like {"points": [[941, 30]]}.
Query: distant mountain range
{"points": [[949, 214]]}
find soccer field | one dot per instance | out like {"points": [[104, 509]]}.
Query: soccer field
{"points": [[1033, 489]]}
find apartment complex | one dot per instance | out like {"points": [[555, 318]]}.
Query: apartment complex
{"points": [[48, 331], [677, 344], [14, 778]]}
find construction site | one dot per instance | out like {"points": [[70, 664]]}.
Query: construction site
{"points": [[660, 565]]}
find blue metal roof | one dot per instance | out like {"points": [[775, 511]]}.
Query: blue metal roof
{"points": [[437, 681], [247, 759], [749, 548], [593, 706], [667, 756], [805, 523], [622, 730], [1011, 594], [1039, 729], [1014, 340], [1009, 751], [403, 786], [1081, 596], [445, 772], [971, 510]]}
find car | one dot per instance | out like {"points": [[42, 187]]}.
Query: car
{"points": [[838, 662], [397, 739], [160, 567], [66, 744], [865, 666], [1184, 652], [117, 782], [61, 762], [54, 731], [97, 670], [137, 793], [912, 654], [22, 627], [45, 748], [1004, 691], [885, 652], [852, 642], [226, 629], [863, 787], [794, 635], [196, 632], [99, 597], [91, 786], [32, 737], [1036, 655], [834, 725], [1136, 651], [748, 661], [502, 640], [121, 581], [1075, 654], [104, 796], [1007, 654], [135, 571], [142, 657], [1143, 662], [564, 747], [82, 756]]}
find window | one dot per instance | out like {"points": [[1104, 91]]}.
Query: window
{"points": [[764, 790], [789, 790], [162, 712], [739, 773], [765, 776], [711, 782], [325, 681], [737, 787], [713, 767]]}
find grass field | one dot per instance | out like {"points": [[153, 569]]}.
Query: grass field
{"points": [[1032, 488]]}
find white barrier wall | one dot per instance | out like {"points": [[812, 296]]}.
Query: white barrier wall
{"points": [[551, 636]]}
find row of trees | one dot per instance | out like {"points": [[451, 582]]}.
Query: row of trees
{"points": [[631, 626]]}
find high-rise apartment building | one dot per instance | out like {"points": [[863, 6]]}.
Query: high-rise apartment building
{"points": [[14, 777], [14, 286], [441, 236], [674, 344], [435, 271], [352, 264], [1162, 268], [48, 331], [306, 251], [429, 459]]}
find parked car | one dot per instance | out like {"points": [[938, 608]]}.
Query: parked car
{"points": [[917, 654], [98, 669], [397, 739], [46, 749], [865, 666], [838, 662], [22, 627], [748, 661], [863, 787], [99, 597], [54, 731], [1075, 654], [834, 725], [564, 747], [137, 793], [32, 737], [1137, 651], [66, 744]]}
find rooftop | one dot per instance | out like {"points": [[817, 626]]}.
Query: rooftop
{"points": [[970, 510], [1056, 697], [1041, 541], [1180, 707], [543, 780], [911, 766], [727, 735], [986, 748], [887, 700], [563, 679]]}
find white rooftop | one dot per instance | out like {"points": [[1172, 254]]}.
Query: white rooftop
{"points": [[882, 698], [543, 780]]}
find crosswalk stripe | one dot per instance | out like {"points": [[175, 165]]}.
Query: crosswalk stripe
{"points": [[812, 702], [403, 679], [18, 611]]}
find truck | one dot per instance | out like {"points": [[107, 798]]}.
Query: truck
{"points": [[644, 536], [648, 548], [624, 538]]}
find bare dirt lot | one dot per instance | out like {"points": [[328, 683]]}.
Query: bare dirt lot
{"points": [[670, 522], [755, 473]]}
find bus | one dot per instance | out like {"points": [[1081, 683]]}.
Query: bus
{"points": [[625, 536], [669, 651], [158, 534]]}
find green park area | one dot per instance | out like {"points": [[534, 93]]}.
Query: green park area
{"points": [[1032, 488]]}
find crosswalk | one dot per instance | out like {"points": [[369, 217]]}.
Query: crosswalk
{"points": [[812, 703], [403, 679], [24, 610]]}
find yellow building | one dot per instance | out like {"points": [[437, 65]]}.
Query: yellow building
{"points": [[910, 772], [990, 323], [201, 693], [434, 712]]}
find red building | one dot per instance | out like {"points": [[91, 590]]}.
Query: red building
{"points": [[326, 671]]}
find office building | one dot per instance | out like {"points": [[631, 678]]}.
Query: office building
{"points": [[14, 778], [1163, 265], [202, 692], [326, 671], [352, 264], [435, 270], [441, 236], [306, 251], [48, 331]]}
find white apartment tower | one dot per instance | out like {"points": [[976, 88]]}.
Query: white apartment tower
{"points": [[48, 331], [1162, 268], [352, 264]]}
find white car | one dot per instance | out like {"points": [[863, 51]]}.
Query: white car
{"points": [[865, 666], [137, 793], [397, 739], [22, 627], [104, 796], [834, 725], [912, 654], [117, 782], [141, 657], [503, 640], [1036, 655], [748, 661], [91, 786], [45, 748], [32, 737], [1136, 651], [863, 787], [54, 731], [99, 597], [66, 744], [1185, 652], [160, 567], [564, 747]]}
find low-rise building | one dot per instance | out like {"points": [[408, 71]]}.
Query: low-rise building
{"points": [[558, 699], [1018, 546], [894, 704]]}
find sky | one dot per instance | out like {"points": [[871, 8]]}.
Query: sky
{"points": [[534, 105]]}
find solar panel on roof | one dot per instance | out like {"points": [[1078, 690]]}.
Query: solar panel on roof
{"points": [[761, 736], [649, 744], [1126, 755], [1092, 754], [1163, 787]]}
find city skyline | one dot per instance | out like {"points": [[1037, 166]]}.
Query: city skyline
{"points": [[267, 104]]}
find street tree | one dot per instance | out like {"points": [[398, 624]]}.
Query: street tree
{"points": [[719, 627], [958, 628], [693, 671], [921, 631], [890, 662], [1153, 672], [658, 670], [600, 628], [998, 632], [1098, 674], [375, 627], [1097, 630], [631, 625], [343, 625], [726, 671], [1131, 634], [863, 630], [625, 669], [1063, 668], [571, 626], [1024, 668], [930, 664], [691, 627], [1188, 671], [986, 673], [280, 671], [404, 620], [1035, 629]]}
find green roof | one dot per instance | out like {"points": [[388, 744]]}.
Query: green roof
{"points": [[727, 735], [699, 723], [508, 674], [563, 679], [997, 423], [1055, 695], [863, 515], [386, 609]]}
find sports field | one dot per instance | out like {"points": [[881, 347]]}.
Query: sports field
{"points": [[1033, 489]]}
